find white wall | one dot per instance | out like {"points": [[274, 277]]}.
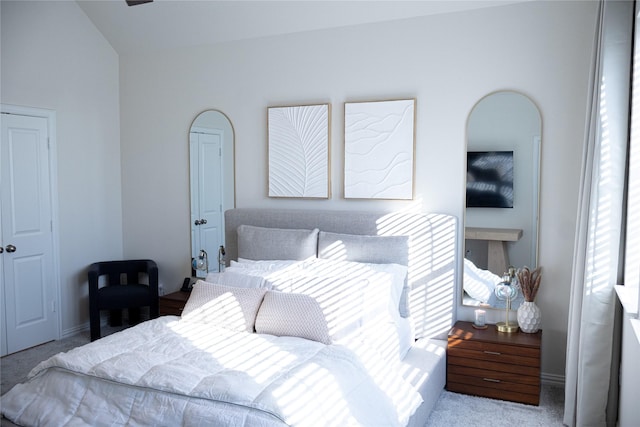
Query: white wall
{"points": [[447, 62], [53, 57], [629, 410]]}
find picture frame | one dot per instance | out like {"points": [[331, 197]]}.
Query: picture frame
{"points": [[379, 144], [299, 150]]}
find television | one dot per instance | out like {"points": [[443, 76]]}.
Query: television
{"points": [[490, 179]]}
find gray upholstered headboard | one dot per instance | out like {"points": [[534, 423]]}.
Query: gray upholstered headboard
{"points": [[432, 251]]}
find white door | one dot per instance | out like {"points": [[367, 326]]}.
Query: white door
{"points": [[206, 207], [29, 292]]}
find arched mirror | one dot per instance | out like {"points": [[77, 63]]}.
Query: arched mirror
{"points": [[212, 185], [503, 178]]}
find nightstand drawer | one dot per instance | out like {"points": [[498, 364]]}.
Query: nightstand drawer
{"points": [[494, 356], [490, 382], [493, 348], [502, 376], [492, 366]]}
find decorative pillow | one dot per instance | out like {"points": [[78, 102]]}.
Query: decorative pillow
{"points": [[294, 315], [325, 309], [259, 243], [225, 306]]}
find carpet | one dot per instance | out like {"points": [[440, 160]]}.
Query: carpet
{"points": [[453, 409]]}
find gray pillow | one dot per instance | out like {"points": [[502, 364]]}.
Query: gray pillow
{"points": [[260, 243], [362, 248]]}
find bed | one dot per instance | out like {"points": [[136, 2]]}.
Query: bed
{"points": [[320, 318]]}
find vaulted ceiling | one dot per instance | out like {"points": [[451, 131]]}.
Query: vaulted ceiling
{"points": [[165, 24]]}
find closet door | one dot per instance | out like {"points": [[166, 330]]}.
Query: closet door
{"points": [[28, 282]]}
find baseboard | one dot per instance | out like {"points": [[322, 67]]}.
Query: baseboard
{"points": [[104, 321], [552, 379], [75, 330]]}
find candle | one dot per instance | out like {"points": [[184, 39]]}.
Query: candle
{"points": [[480, 318]]}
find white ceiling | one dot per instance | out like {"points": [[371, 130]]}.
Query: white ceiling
{"points": [[166, 24]]}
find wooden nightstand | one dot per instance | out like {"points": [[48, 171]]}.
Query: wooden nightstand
{"points": [[173, 304], [485, 362]]}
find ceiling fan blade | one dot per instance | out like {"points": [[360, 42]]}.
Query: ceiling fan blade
{"points": [[137, 2]]}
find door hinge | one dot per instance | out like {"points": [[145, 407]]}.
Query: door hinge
{"points": [[53, 306], [220, 151]]}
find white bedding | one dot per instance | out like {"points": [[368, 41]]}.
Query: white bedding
{"points": [[176, 372]]}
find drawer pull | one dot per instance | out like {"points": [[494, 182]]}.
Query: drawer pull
{"points": [[491, 380], [496, 353]]}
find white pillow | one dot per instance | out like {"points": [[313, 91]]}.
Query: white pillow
{"points": [[278, 275], [371, 250], [392, 277], [383, 326], [228, 307], [479, 283], [247, 277], [268, 265], [242, 278]]}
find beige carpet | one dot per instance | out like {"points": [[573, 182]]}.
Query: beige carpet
{"points": [[451, 410], [459, 410]]}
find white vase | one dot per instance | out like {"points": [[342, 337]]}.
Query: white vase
{"points": [[529, 317]]}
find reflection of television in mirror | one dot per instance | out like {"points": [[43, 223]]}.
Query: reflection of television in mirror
{"points": [[490, 179]]}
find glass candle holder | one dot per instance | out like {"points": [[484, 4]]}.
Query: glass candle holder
{"points": [[481, 318]]}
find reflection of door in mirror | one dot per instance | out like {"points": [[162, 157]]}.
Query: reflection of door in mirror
{"points": [[211, 183], [504, 132]]}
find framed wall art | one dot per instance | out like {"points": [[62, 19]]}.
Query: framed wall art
{"points": [[299, 151], [379, 144]]}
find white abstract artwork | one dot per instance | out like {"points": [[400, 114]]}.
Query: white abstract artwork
{"points": [[379, 149], [299, 151]]}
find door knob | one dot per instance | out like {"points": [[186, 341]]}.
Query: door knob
{"points": [[10, 248], [203, 221], [1, 249], [197, 222]]}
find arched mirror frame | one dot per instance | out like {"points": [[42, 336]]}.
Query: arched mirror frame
{"points": [[214, 122], [473, 239]]}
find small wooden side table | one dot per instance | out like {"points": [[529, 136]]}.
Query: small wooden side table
{"points": [[485, 362], [173, 304], [497, 239]]}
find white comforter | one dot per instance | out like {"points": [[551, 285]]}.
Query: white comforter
{"points": [[171, 372]]}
